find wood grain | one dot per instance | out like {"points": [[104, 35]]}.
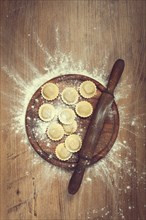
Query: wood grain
{"points": [[95, 32]]}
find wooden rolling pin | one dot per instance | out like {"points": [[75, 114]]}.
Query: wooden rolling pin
{"points": [[95, 127]]}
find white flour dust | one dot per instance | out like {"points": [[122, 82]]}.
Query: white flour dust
{"points": [[61, 64]]}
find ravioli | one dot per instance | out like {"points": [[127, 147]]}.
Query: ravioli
{"points": [[46, 112], [50, 91], [62, 153], [69, 95], [55, 131], [67, 116], [87, 89], [84, 109], [73, 143], [70, 128]]}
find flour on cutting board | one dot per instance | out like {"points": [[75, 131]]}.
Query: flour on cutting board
{"points": [[108, 169]]}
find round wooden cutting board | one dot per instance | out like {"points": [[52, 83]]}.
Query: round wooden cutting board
{"points": [[36, 128]]}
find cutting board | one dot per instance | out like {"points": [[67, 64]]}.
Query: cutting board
{"points": [[46, 148]]}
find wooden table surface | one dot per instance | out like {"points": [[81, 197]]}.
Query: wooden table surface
{"points": [[61, 35]]}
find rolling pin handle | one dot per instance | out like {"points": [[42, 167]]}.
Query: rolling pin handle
{"points": [[115, 75], [76, 179]]}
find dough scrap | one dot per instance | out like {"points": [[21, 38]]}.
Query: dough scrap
{"points": [[71, 128], [50, 91], [67, 116], [46, 112], [87, 89], [70, 95], [62, 153], [84, 109], [73, 143], [55, 131]]}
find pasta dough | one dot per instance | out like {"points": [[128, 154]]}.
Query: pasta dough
{"points": [[46, 112], [73, 143], [50, 91], [84, 109], [55, 131]]}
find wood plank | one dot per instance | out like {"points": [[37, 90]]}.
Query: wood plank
{"points": [[96, 33]]}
